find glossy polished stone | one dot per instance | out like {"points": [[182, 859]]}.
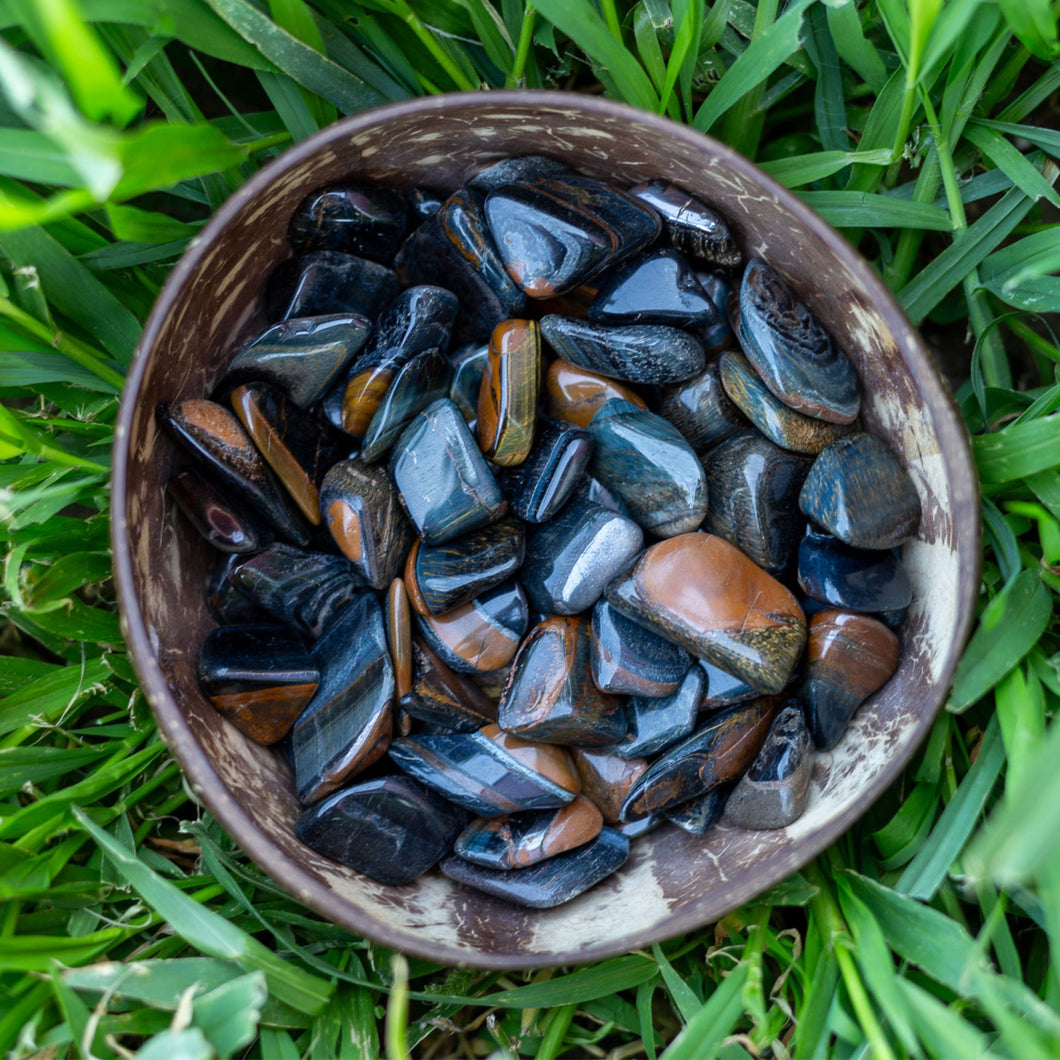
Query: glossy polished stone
{"points": [[306, 590], [575, 394], [716, 753], [303, 356], [399, 636], [226, 602], [392, 829], [524, 839], [706, 595], [572, 557], [259, 677], [507, 401], [221, 523], [627, 659], [690, 225], [754, 498], [773, 791], [549, 883], [216, 439], [607, 778], [633, 353], [446, 485], [547, 478], [851, 578], [701, 410], [418, 320], [556, 233], [655, 724], [549, 694], [780, 424], [481, 635], [326, 282], [452, 574], [718, 337], [699, 815], [469, 362], [797, 359], [848, 657], [526, 168], [362, 511], [723, 689], [442, 697], [423, 203], [483, 775], [859, 492], [647, 464], [418, 383], [349, 721], [656, 288], [294, 443], [364, 219]]}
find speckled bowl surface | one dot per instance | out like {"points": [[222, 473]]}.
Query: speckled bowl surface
{"points": [[672, 882]]}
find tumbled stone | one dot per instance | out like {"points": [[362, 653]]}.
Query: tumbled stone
{"points": [[546, 479], [326, 282], [848, 657], [364, 219], [754, 495], [423, 203], [607, 778], [719, 751], [445, 483], [647, 464], [391, 829], [363, 513], [303, 356], [797, 359], [524, 839], [718, 337], [399, 636], [699, 815], [655, 724], [633, 353], [706, 595], [527, 168], [469, 362], [690, 226], [773, 791], [216, 439], [779, 423], [549, 694], [723, 689], [507, 402], [549, 883], [572, 557], [701, 410], [852, 578], [635, 829], [656, 288], [576, 394], [859, 492], [225, 601], [454, 573], [627, 659], [348, 723], [220, 522], [259, 677], [442, 697]]}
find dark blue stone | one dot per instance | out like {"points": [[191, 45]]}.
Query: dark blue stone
{"points": [[851, 578], [545, 480], [701, 410], [724, 689], [656, 288], [655, 724], [364, 219], [718, 336], [697, 815], [690, 225], [226, 601], [442, 697], [628, 659], [469, 363], [525, 168], [327, 282]]}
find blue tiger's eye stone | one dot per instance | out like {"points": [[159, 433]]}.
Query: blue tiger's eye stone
{"points": [[718, 336], [446, 485], [391, 829], [701, 410], [723, 689], [690, 226], [442, 697], [655, 724], [797, 359], [549, 883], [698, 815], [525, 168], [326, 282], [546, 479], [364, 219], [647, 464], [469, 364], [628, 659], [226, 602], [656, 288], [859, 492], [851, 578]]}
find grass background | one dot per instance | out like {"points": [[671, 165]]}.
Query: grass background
{"points": [[926, 131]]}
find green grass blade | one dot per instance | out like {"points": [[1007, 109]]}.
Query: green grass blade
{"points": [[805, 169], [709, 1027], [858, 209], [622, 973]]}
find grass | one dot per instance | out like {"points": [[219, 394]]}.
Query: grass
{"points": [[925, 131]]}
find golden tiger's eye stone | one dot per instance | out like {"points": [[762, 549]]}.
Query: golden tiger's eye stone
{"points": [[576, 394], [507, 400]]}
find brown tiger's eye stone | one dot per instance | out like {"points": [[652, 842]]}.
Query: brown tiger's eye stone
{"points": [[706, 595], [507, 400], [606, 779], [399, 635], [441, 696], [552, 762], [576, 394]]}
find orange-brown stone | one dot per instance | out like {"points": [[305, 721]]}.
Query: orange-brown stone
{"points": [[507, 400], [576, 394], [607, 779]]}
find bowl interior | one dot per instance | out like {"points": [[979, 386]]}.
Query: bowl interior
{"points": [[673, 882]]}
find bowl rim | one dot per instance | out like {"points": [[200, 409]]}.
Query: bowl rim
{"points": [[208, 784]]}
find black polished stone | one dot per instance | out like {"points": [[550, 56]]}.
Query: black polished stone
{"points": [[690, 225], [223, 524], [718, 336], [723, 689], [549, 883], [392, 829], [525, 168], [226, 601], [446, 485], [423, 203], [628, 659], [327, 282], [655, 724], [701, 410], [538, 487], [364, 219], [698, 815], [636, 353], [656, 288], [442, 697], [451, 574], [852, 578], [644, 460], [348, 722]]}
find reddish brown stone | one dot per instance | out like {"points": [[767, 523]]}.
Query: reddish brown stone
{"points": [[576, 394], [607, 779], [507, 400], [550, 761], [399, 635], [264, 714]]}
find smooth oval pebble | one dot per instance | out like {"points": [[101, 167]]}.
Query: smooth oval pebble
{"points": [[324, 282], [701, 410], [364, 219], [399, 636], [851, 578], [655, 724], [691, 226], [221, 523], [507, 401], [656, 288], [546, 479], [575, 394], [627, 659]]}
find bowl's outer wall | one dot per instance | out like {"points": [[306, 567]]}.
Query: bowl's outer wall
{"points": [[672, 882]]}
